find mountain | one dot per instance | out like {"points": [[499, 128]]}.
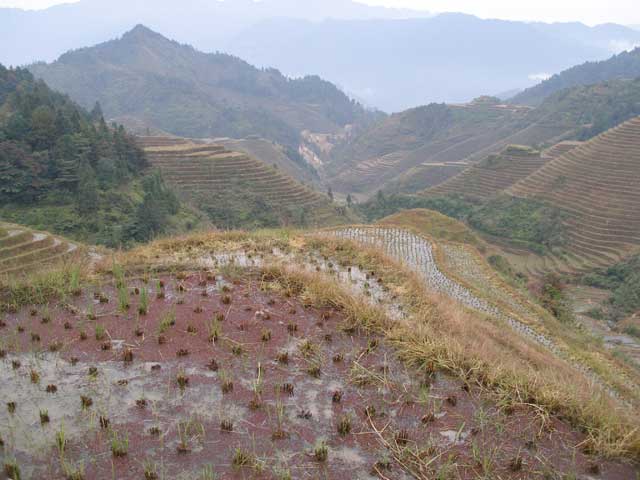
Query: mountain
{"points": [[180, 90], [236, 190], [595, 184], [63, 169], [421, 147], [624, 65], [395, 64], [35, 35], [495, 173]]}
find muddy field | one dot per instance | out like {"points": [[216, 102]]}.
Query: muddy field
{"points": [[193, 377]]}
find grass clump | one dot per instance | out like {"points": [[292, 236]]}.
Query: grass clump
{"points": [[143, 306], [119, 445], [167, 320], [12, 469], [321, 452]]}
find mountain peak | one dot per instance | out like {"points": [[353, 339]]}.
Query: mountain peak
{"points": [[140, 32]]}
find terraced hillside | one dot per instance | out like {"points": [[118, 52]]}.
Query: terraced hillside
{"points": [[596, 184], [271, 153], [217, 180], [23, 250], [440, 136], [498, 172]]}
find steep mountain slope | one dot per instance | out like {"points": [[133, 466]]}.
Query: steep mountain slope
{"points": [[422, 147], [437, 135], [271, 153], [185, 92], [595, 184], [64, 170], [624, 65], [498, 172], [398, 64], [236, 190]]}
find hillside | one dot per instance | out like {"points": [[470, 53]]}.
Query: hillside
{"points": [[497, 172], [419, 148], [594, 184], [62, 169], [286, 159], [625, 65], [23, 250], [236, 190], [180, 90], [330, 346], [443, 136]]}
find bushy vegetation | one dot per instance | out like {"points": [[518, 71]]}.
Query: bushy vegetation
{"points": [[383, 205], [529, 223], [552, 296], [64, 169], [598, 107], [623, 279]]}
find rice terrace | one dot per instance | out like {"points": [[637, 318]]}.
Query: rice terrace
{"points": [[311, 240]]}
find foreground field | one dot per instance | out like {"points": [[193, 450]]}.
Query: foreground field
{"points": [[211, 357]]}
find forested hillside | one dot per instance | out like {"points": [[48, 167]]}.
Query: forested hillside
{"points": [[624, 65], [64, 169], [188, 93]]}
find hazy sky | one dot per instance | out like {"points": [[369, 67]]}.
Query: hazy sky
{"points": [[588, 11]]}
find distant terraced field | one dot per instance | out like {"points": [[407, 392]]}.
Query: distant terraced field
{"points": [[498, 172], [205, 172], [22, 249], [596, 184], [398, 146]]}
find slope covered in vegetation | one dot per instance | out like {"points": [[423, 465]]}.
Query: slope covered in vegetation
{"points": [[189, 93], [625, 65], [595, 184], [238, 191], [430, 144], [64, 170]]}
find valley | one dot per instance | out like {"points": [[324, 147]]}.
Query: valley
{"points": [[211, 270]]}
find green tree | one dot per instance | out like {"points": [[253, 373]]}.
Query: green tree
{"points": [[87, 195]]}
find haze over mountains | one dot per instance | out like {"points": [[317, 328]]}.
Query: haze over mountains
{"points": [[205, 24], [397, 64], [145, 77], [625, 65], [387, 58]]}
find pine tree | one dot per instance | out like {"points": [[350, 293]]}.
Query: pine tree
{"points": [[87, 194]]}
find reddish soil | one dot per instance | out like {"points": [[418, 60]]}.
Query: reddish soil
{"points": [[275, 428]]}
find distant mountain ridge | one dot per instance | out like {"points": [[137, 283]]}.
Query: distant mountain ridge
{"points": [[204, 24], [375, 54], [395, 64], [185, 92], [625, 65]]}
